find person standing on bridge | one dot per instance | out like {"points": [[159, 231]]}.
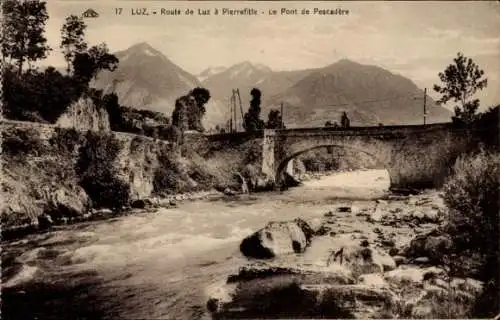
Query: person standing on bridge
{"points": [[344, 121]]}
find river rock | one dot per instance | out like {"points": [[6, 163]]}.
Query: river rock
{"points": [[438, 302], [434, 245], [377, 215], [344, 209], [138, 204], [399, 260], [421, 260], [70, 202], [277, 238], [372, 280], [426, 215], [407, 274], [278, 297], [363, 259]]}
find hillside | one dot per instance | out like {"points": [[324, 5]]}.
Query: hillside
{"points": [[369, 94], [147, 79]]}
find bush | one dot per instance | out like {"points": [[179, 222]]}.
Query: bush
{"points": [[65, 139], [98, 174], [22, 141], [167, 177], [472, 196], [105, 189]]}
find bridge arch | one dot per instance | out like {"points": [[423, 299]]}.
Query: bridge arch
{"points": [[283, 163]]}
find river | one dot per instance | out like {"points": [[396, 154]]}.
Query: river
{"points": [[157, 265]]}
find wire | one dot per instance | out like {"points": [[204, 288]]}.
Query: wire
{"points": [[369, 101]]}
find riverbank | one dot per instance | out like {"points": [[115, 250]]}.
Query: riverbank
{"points": [[148, 205], [380, 260], [55, 176]]}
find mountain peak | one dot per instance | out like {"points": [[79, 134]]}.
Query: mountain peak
{"points": [[145, 49]]}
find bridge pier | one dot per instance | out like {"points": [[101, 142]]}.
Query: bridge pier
{"points": [[268, 156]]}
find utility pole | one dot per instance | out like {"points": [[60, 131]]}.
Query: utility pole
{"points": [[281, 113], [231, 114], [241, 107], [425, 100], [234, 111]]}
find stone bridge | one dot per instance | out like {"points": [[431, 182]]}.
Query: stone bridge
{"points": [[414, 155]]}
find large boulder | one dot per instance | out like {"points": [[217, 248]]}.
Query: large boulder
{"points": [[362, 259], [448, 300], [289, 290], [68, 202], [277, 238], [434, 245]]}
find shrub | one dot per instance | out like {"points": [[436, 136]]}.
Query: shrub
{"points": [[65, 139], [167, 175], [105, 189], [22, 141], [98, 174], [472, 196]]}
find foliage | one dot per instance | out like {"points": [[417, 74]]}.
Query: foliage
{"points": [[471, 195], [22, 141], [65, 140], [200, 172], [43, 96], [488, 125], [252, 121], [461, 81], [87, 64], [34, 95], [73, 39], [167, 175], [274, 120], [96, 168], [23, 37], [190, 110]]}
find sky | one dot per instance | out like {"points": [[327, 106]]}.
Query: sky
{"points": [[415, 39]]}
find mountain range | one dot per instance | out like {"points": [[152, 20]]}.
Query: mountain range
{"points": [[370, 95]]}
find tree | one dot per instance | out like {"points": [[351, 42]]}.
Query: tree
{"points": [[252, 121], [87, 64], [190, 109], [462, 80], [73, 39], [197, 111], [328, 124], [23, 37], [344, 121], [274, 120]]}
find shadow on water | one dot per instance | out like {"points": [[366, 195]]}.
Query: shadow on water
{"points": [[66, 298]]}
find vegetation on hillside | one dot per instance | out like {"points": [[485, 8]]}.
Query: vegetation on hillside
{"points": [[472, 196], [98, 173], [43, 95]]}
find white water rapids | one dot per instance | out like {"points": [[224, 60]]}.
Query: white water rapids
{"points": [[158, 265]]}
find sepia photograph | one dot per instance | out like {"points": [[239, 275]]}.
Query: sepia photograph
{"points": [[203, 160]]}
